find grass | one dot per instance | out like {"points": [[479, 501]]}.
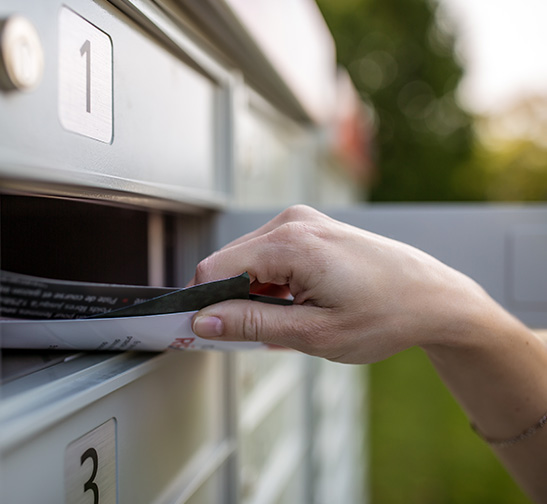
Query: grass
{"points": [[422, 448]]}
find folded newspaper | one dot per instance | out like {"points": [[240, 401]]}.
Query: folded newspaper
{"points": [[42, 313]]}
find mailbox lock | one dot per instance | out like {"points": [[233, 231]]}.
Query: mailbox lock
{"points": [[21, 54]]}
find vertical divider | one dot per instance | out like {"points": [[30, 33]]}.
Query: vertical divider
{"points": [[156, 261]]}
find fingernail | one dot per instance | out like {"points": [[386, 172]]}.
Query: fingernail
{"points": [[208, 327]]}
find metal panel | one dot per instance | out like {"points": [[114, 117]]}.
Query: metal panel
{"points": [[272, 428], [169, 414], [164, 140], [272, 156], [527, 250], [284, 49], [340, 433]]}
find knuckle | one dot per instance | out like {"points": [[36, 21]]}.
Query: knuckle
{"points": [[290, 231], [296, 213], [203, 269], [252, 324], [303, 238]]}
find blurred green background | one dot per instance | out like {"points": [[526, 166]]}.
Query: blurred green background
{"points": [[400, 56], [422, 450]]}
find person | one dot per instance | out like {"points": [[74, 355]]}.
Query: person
{"points": [[359, 298]]}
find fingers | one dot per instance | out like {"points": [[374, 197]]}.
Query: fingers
{"points": [[258, 252], [272, 258], [206, 272], [298, 327], [239, 259], [280, 291], [297, 213]]}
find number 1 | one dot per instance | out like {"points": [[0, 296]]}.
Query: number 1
{"points": [[86, 49]]}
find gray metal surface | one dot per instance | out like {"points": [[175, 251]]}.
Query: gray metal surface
{"points": [[169, 414], [164, 139]]}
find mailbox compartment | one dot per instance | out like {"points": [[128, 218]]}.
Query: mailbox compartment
{"points": [[152, 427], [115, 109]]}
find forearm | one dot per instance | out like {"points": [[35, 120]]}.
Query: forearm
{"points": [[498, 373]]}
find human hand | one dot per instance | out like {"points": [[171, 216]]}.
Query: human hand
{"points": [[358, 297]]}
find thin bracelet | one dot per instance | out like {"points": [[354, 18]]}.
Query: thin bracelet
{"points": [[503, 443]]}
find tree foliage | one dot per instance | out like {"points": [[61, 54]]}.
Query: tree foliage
{"points": [[402, 63], [514, 170]]}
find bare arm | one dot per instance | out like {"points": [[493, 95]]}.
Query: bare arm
{"points": [[360, 298], [500, 380]]}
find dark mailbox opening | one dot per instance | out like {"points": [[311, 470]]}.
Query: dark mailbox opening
{"points": [[73, 240]]}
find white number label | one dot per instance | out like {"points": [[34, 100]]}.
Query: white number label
{"points": [[85, 77], [90, 467]]}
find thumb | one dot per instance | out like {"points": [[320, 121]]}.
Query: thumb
{"points": [[242, 320]]}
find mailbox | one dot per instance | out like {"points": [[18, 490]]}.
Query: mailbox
{"points": [[127, 128], [136, 137]]}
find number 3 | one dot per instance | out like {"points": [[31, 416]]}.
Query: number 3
{"points": [[90, 484]]}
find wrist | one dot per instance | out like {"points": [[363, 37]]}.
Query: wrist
{"points": [[468, 319], [494, 366]]}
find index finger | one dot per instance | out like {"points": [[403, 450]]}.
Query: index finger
{"points": [[294, 213]]}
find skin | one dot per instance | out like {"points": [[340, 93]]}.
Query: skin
{"points": [[360, 297]]}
